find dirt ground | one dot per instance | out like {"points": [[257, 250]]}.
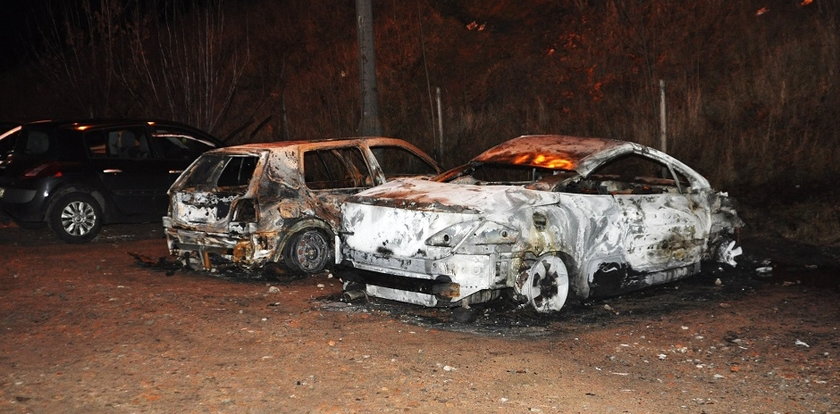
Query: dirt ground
{"points": [[88, 328]]}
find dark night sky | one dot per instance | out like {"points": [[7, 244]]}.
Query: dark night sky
{"points": [[19, 26], [16, 26]]}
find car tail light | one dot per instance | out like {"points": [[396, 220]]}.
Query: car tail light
{"points": [[245, 211], [50, 169]]}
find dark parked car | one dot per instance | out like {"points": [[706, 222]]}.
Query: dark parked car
{"points": [[77, 175]]}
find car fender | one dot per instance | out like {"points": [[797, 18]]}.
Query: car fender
{"points": [[75, 187]]}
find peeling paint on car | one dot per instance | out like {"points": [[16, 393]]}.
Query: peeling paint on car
{"points": [[600, 233]]}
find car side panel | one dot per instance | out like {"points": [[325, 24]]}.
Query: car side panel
{"points": [[662, 231]]}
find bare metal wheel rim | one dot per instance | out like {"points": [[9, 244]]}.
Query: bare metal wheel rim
{"points": [[78, 218], [548, 284], [311, 251]]}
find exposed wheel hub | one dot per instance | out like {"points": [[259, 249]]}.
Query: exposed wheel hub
{"points": [[547, 285], [311, 250]]}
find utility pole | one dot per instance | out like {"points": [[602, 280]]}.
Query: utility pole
{"points": [[663, 130], [369, 124]]}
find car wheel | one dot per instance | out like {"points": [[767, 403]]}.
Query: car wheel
{"points": [[547, 286], [75, 218], [308, 251]]}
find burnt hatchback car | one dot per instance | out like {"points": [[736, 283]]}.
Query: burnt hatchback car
{"points": [[253, 205], [542, 218], [77, 175]]}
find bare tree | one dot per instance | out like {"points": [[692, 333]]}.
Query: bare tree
{"points": [[163, 59]]}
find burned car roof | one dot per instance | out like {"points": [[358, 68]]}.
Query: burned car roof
{"points": [[548, 151], [261, 146], [569, 153]]}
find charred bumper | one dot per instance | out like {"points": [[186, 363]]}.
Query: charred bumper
{"points": [[424, 281], [213, 250]]}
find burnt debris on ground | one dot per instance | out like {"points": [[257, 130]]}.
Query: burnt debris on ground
{"points": [[717, 286], [169, 265], [165, 264], [504, 318]]}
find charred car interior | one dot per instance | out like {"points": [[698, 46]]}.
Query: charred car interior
{"points": [[540, 218], [252, 205]]}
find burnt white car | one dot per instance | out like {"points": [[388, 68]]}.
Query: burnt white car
{"points": [[251, 205], [543, 218]]}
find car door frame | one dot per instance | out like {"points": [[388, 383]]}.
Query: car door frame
{"points": [[129, 186]]}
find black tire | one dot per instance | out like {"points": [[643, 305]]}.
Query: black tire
{"points": [[75, 218], [308, 251]]}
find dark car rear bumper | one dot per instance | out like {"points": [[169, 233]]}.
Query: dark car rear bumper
{"points": [[27, 205]]}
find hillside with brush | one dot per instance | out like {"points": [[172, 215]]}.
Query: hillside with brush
{"points": [[751, 86]]}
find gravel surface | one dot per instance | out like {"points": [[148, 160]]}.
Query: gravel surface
{"points": [[90, 328]]}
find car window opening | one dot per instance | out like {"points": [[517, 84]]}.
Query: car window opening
{"points": [[335, 169], [220, 171]]}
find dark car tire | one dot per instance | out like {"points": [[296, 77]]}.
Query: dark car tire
{"points": [[308, 251], [75, 218]]}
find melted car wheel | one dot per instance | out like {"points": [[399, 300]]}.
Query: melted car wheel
{"points": [[75, 218], [308, 251], [547, 286]]}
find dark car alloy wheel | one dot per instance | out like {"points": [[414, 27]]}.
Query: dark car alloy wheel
{"points": [[76, 218]]}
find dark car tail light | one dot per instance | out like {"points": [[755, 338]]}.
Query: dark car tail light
{"points": [[245, 211], [49, 169]]}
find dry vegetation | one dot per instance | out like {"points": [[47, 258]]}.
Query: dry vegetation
{"points": [[752, 86]]}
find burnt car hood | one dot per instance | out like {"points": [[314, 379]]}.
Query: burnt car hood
{"points": [[419, 194]]}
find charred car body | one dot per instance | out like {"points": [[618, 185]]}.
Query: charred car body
{"points": [[539, 217], [251, 205]]}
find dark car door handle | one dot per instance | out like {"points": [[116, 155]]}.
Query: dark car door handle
{"points": [[175, 171], [112, 171]]}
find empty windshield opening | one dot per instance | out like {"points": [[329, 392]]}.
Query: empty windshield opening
{"points": [[504, 174]]}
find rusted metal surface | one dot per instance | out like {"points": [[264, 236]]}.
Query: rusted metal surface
{"points": [[566, 231], [241, 206]]}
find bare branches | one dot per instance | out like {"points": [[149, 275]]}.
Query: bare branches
{"points": [[161, 59]]}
